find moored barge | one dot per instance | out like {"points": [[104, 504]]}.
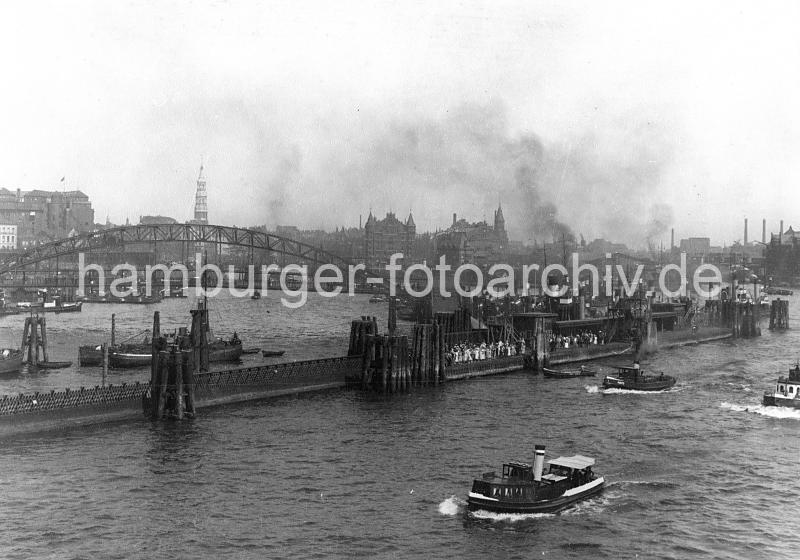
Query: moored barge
{"points": [[522, 488]]}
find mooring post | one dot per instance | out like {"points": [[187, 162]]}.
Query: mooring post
{"points": [[163, 376], [35, 342], [437, 335], [393, 362], [442, 364], [188, 380], [105, 363], [177, 358], [392, 322], [384, 364], [27, 339], [44, 339], [154, 346]]}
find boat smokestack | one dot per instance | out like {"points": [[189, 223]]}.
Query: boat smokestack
{"points": [[538, 462]]}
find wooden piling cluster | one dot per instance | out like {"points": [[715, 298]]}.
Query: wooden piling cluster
{"points": [[172, 388], [454, 323], [741, 317], [360, 329], [745, 323], [173, 367], [34, 338], [386, 364], [428, 354], [779, 314]]}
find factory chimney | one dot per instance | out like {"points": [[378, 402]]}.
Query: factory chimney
{"points": [[764, 231], [780, 234], [672, 240], [454, 218], [745, 231]]}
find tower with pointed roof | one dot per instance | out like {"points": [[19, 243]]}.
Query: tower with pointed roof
{"points": [[200, 200], [500, 225]]}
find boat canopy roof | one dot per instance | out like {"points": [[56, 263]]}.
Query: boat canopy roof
{"points": [[575, 462]]}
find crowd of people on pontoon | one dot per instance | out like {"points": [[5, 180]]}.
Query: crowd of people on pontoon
{"points": [[581, 338], [470, 352]]}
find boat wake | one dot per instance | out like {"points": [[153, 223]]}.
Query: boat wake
{"points": [[452, 505], [615, 391], [591, 506], [770, 411], [507, 517]]}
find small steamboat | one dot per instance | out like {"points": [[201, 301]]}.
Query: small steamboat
{"points": [[787, 391], [522, 488], [634, 379]]}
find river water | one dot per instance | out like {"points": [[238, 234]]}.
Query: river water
{"points": [[699, 471]]}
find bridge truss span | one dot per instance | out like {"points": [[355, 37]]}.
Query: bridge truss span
{"points": [[196, 234]]}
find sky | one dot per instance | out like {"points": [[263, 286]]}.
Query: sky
{"points": [[615, 119]]}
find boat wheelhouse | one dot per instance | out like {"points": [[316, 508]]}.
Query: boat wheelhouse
{"points": [[787, 390], [522, 488], [634, 378]]}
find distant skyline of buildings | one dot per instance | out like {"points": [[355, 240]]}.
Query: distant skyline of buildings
{"points": [[38, 216]]}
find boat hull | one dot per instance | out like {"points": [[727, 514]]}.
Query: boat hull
{"points": [[90, 356], [53, 365], [646, 384], [772, 400], [68, 308], [121, 360], [226, 353], [12, 363], [481, 502], [559, 374]]}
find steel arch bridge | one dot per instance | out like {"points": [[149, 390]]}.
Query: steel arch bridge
{"points": [[189, 233]]}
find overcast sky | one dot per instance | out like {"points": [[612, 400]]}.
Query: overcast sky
{"points": [[629, 119]]}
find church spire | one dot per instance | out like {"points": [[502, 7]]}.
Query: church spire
{"points": [[200, 199]]}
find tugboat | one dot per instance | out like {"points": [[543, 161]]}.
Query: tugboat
{"points": [[523, 488], [787, 391], [633, 378]]}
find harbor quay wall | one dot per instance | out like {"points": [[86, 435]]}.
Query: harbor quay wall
{"points": [[481, 368], [592, 352], [70, 407]]}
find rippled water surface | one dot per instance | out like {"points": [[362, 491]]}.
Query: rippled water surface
{"points": [[700, 471]]}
